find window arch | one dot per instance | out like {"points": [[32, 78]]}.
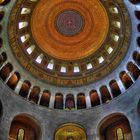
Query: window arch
{"points": [[24, 127], [70, 103], [58, 104], [45, 98], [136, 57], [14, 79], [21, 134], [105, 95], [81, 101], [114, 88], [126, 80], [25, 89], [34, 94], [115, 127], [5, 71], [94, 98], [133, 69], [120, 134], [3, 58]]}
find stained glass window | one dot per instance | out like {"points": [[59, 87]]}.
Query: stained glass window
{"points": [[21, 134], [120, 134]]}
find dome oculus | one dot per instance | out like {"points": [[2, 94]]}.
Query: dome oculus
{"points": [[69, 23]]}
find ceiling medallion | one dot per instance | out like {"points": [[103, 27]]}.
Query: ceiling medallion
{"points": [[69, 23], [69, 43]]}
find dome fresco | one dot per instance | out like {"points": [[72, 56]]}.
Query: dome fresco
{"points": [[77, 41], [69, 69], [61, 54]]}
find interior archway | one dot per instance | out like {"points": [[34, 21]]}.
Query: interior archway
{"points": [[115, 127], [24, 127], [70, 131]]}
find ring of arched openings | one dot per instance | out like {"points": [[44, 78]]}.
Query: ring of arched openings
{"points": [[102, 94]]}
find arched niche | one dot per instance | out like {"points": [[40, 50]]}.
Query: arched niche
{"points": [[134, 70], [114, 88], [58, 104], [70, 131], [94, 98], [45, 98], [81, 101], [5, 71], [70, 103], [126, 80], [115, 127], [105, 94], [25, 89], [34, 94], [24, 127], [13, 80]]}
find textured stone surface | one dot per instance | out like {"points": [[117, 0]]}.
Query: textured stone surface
{"points": [[49, 120]]}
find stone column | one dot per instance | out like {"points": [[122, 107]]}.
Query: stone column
{"points": [[99, 94], [52, 100], [19, 85], [75, 100], [40, 95], [120, 84], [109, 89], [88, 102]]}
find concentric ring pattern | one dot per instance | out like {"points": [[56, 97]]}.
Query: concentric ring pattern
{"points": [[69, 43]]}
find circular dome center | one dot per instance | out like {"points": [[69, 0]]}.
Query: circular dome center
{"points": [[69, 23], [69, 30]]}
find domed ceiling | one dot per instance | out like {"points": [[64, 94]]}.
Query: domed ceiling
{"points": [[69, 43]]}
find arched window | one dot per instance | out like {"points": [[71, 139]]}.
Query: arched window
{"points": [[21, 134], [34, 95], [94, 98], [12, 82], [136, 57], [70, 104], [5, 71], [25, 89], [120, 134], [133, 69], [105, 95], [114, 88], [24, 127], [81, 101], [126, 80], [3, 58], [45, 99], [58, 104], [115, 127]]}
